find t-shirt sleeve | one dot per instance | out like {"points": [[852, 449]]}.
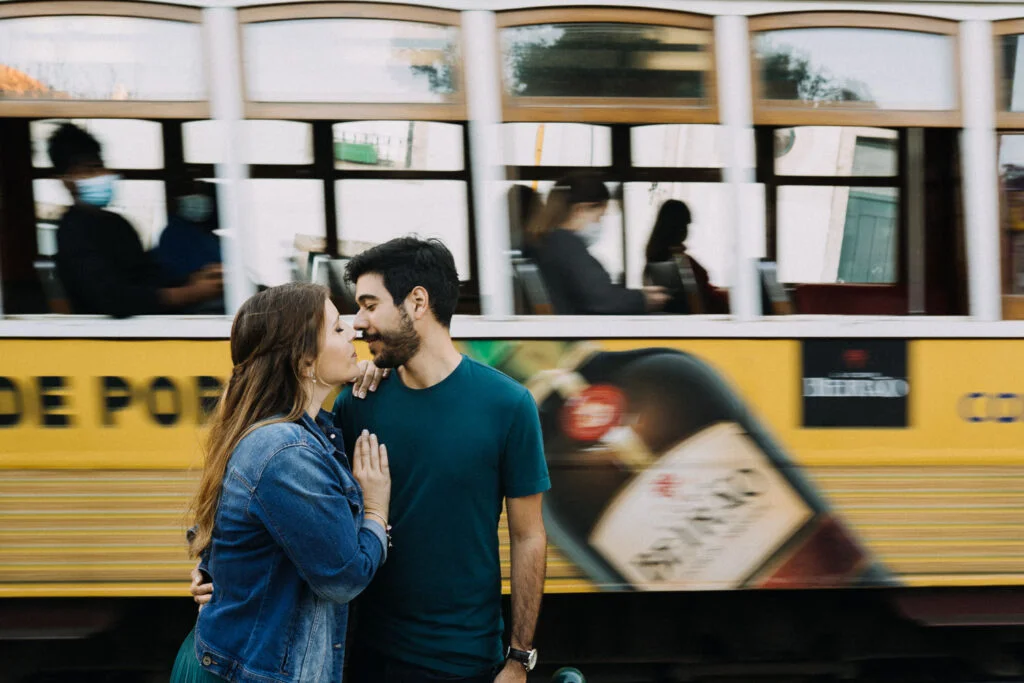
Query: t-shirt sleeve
{"points": [[524, 470]]}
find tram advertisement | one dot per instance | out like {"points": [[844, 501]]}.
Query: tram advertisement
{"points": [[675, 464]]}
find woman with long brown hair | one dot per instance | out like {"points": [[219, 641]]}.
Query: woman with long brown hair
{"points": [[288, 531]]}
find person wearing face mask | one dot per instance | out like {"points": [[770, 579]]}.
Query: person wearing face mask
{"points": [[188, 243], [100, 259], [560, 236]]}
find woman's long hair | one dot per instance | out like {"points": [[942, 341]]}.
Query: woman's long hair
{"points": [[669, 232], [582, 187], [274, 335]]}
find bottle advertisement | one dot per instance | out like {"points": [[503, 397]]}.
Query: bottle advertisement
{"points": [[664, 479]]}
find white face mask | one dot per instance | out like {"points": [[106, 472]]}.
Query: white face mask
{"points": [[195, 207], [591, 233]]}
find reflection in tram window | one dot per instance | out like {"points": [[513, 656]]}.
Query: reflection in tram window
{"points": [[557, 144], [370, 61], [606, 60], [1011, 168], [102, 58], [141, 202], [836, 151], [837, 234], [856, 65], [1012, 65], [374, 211], [127, 143], [678, 146], [400, 145], [280, 213], [266, 142], [708, 241]]}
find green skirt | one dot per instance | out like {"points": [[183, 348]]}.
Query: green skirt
{"points": [[186, 666]]}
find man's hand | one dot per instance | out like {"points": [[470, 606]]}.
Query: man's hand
{"points": [[512, 673], [202, 593], [369, 378]]}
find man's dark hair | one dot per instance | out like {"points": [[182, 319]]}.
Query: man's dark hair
{"points": [[70, 146], [405, 263]]}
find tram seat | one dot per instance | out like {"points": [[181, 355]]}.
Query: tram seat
{"points": [[56, 299], [530, 292], [851, 299], [677, 277], [331, 274], [774, 299]]}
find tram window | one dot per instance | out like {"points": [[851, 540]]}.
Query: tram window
{"points": [[838, 234], [266, 142], [142, 202], [708, 242], [557, 144], [836, 151], [279, 212], [374, 211], [1011, 167], [678, 145], [1012, 63], [596, 59], [370, 60], [127, 143], [105, 58], [406, 145], [858, 66]]}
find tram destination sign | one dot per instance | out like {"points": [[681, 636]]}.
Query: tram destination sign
{"points": [[854, 383]]}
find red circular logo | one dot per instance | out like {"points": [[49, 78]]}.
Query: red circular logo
{"points": [[589, 415]]}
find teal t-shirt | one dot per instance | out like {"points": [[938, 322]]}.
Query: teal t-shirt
{"points": [[456, 450]]}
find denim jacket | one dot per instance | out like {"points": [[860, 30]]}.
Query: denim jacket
{"points": [[290, 549]]}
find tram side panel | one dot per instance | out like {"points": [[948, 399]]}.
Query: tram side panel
{"points": [[677, 465]]}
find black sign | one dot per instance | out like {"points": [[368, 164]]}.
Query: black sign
{"points": [[854, 383]]}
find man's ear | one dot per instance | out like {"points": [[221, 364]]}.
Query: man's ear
{"points": [[418, 303]]}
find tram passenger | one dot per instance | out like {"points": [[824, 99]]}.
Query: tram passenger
{"points": [[188, 243], [289, 531], [559, 239], [463, 438], [668, 243], [100, 259]]}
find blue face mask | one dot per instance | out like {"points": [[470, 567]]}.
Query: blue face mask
{"points": [[97, 191], [196, 208]]}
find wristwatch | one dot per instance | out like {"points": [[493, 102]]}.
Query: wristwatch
{"points": [[528, 658]]}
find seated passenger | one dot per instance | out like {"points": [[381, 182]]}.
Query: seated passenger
{"points": [[559, 238], [667, 243], [188, 243], [100, 259]]}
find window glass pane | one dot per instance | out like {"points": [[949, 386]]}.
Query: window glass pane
{"points": [[1013, 64], [836, 151], [875, 68], [101, 58], [837, 234], [350, 60], [605, 60], [374, 211], [557, 144], [278, 212], [679, 146], [384, 145], [126, 143], [142, 202], [706, 241], [266, 142], [1011, 167]]}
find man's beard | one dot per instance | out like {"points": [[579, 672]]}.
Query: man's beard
{"points": [[397, 346]]}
